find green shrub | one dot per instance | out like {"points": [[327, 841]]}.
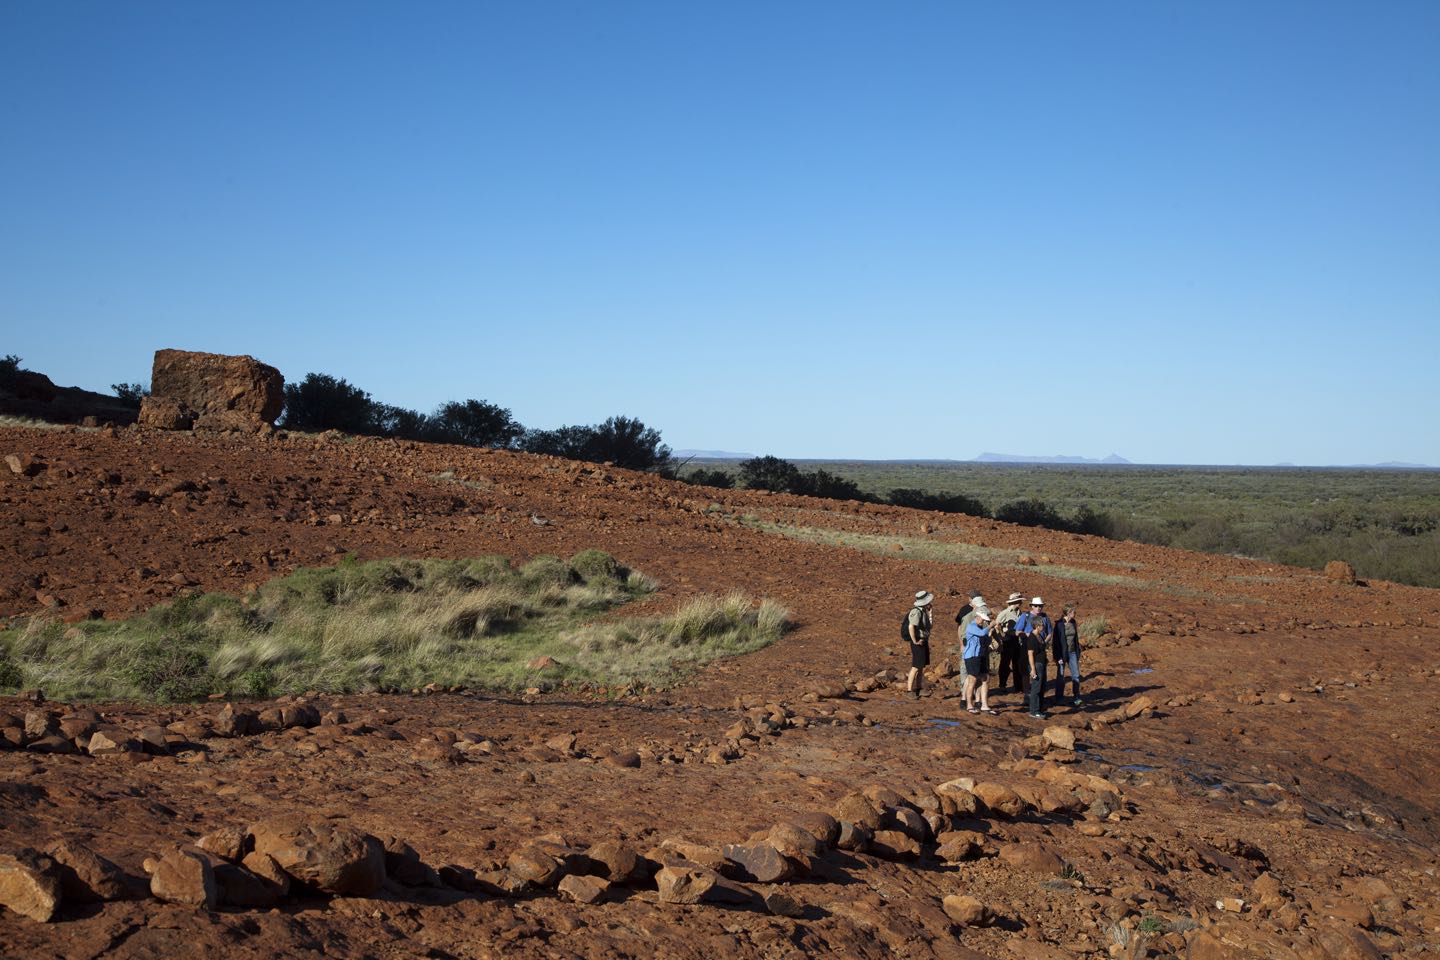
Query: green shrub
{"points": [[11, 676], [258, 682], [9, 366], [163, 669], [597, 566], [547, 570]]}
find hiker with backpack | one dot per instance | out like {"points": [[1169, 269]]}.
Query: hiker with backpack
{"points": [[915, 628], [977, 661], [1012, 653], [1035, 629]]}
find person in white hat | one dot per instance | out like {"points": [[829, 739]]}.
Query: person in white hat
{"points": [[917, 631], [977, 661], [963, 618], [1012, 654], [1034, 628]]}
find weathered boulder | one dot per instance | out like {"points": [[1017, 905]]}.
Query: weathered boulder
{"points": [[682, 882], [185, 876], [331, 857], [959, 845], [820, 825], [893, 845], [534, 865], [86, 877], [1000, 799], [30, 885], [212, 391], [759, 862], [264, 866], [957, 798], [1340, 571]]}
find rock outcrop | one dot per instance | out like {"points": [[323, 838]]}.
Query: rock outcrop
{"points": [[211, 391]]}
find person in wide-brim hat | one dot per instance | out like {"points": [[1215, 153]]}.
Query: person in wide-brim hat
{"points": [[917, 629]]}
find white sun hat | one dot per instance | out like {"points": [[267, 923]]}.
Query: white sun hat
{"points": [[1037, 602], [923, 598]]}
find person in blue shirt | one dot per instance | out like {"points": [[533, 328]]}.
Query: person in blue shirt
{"points": [[977, 661], [1034, 629]]}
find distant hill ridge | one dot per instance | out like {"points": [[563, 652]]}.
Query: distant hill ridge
{"points": [[1024, 458]]}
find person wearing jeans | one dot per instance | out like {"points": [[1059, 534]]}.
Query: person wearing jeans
{"points": [[1067, 653]]}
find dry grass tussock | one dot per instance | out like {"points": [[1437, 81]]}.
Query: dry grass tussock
{"points": [[389, 623]]}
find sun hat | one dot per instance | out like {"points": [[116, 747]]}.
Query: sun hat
{"points": [[1015, 598], [983, 613], [977, 601], [1037, 602], [923, 598]]}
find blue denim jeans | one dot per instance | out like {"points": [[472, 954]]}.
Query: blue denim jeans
{"points": [[1072, 661]]}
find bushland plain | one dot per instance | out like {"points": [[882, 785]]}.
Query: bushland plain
{"points": [[1384, 522]]}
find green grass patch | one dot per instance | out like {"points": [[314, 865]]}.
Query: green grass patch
{"points": [[917, 548], [390, 624]]}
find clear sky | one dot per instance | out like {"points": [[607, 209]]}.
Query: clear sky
{"points": [[1178, 231]]}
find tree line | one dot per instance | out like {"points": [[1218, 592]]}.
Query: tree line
{"points": [[323, 402], [775, 473]]}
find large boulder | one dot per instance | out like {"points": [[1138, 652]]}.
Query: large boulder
{"points": [[211, 391], [330, 857], [30, 885], [1340, 571]]}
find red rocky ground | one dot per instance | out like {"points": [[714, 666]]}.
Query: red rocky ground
{"points": [[1254, 772]]}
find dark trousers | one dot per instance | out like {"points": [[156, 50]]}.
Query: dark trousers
{"points": [[1037, 687], [1012, 661]]}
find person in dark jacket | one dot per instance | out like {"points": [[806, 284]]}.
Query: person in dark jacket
{"points": [[1066, 648], [1034, 629]]}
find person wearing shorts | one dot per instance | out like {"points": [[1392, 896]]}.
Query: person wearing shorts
{"points": [[918, 627], [977, 662]]}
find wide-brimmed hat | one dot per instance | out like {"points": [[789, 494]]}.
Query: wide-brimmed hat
{"points": [[982, 613], [977, 601], [923, 598], [1015, 598], [1037, 602]]}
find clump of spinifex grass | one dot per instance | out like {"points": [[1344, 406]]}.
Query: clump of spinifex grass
{"points": [[387, 623]]}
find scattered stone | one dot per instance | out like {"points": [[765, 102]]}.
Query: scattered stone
{"points": [[956, 797], [627, 760], [584, 889], [967, 911], [894, 845], [852, 837], [781, 904], [227, 843], [759, 862], [331, 857], [1061, 738], [185, 876], [685, 883], [823, 827], [30, 885], [1032, 857], [960, 845], [535, 866], [264, 866], [1000, 799], [618, 862]]}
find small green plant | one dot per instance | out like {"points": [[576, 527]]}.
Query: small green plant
{"points": [[1151, 924], [258, 682], [1094, 627], [1071, 873], [596, 565], [11, 677]]}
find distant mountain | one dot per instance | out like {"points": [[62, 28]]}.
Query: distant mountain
{"points": [[1024, 458], [710, 455], [1397, 465]]}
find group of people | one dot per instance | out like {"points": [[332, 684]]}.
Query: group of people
{"points": [[1025, 640]]}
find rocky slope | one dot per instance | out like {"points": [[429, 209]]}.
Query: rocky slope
{"points": [[1252, 773]]}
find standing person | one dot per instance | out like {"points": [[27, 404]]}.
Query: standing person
{"points": [[1067, 653], [963, 618], [1035, 629], [977, 661], [1012, 654], [917, 629]]}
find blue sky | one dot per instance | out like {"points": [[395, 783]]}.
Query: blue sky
{"points": [[1182, 232]]}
